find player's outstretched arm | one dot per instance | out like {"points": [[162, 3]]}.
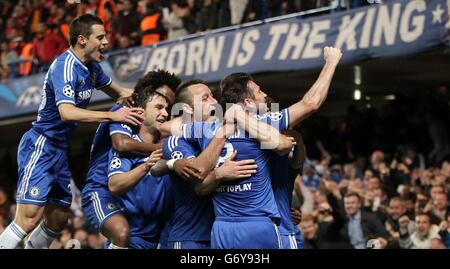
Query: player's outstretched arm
{"points": [[119, 184], [128, 146], [230, 170], [116, 92], [172, 127], [317, 94], [71, 113]]}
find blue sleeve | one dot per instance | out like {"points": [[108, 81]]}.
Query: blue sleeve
{"points": [[64, 81], [118, 164], [120, 128], [102, 79], [117, 127], [177, 148], [279, 120], [199, 132]]}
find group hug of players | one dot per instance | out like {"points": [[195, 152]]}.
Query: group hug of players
{"points": [[195, 178]]}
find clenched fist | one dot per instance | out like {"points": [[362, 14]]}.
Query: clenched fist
{"points": [[332, 55]]}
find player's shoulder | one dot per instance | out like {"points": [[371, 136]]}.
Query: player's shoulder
{"points": [[116, 107], [61, 62]]}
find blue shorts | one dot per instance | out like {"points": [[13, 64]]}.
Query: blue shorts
{"points": [[289, 241], [44, 175], [187, 245], [137, 242], [99, 205], [245, 233]]}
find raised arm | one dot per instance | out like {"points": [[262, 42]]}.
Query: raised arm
{"points": [[317, 94]]}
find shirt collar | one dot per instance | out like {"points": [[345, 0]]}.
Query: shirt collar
{"points": [[77, 59]]}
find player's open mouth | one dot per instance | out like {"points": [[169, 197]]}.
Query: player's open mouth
{"points": [[102, 52], [161, 121]]}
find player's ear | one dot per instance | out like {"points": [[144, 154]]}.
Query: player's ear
{"points": [[187, 109], [82, 40], [248, 102]]}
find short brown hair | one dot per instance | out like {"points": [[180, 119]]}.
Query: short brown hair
{"points": [[82, 25], [353, 194]]}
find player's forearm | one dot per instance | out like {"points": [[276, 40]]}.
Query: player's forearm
{"points": [[173, 127], [160, 168], [121, 183], [115, 91], [129, 146], [208, 185], [206, 161], [267, 135], [315, 96], [319, 91], [71, 113]]}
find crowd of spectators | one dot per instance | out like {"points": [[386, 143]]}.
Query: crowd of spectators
{"points": [[34, 32], [379, 177]]}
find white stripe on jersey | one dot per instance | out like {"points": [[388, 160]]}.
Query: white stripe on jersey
{"points": [[286, 111], [119, 132], [169, 143], [280, 244], [70, 69]]}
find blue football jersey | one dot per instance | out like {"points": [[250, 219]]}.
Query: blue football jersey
{"points": [[193, 214], [252, 196], [144, 205], [68, 81], [283, 177], [98, 164]]}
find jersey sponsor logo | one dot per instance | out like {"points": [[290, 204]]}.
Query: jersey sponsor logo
{"points": [[126, 127], [116, 163], [84, 95], [176, 155], [34, 192], [67, 91], [235, 188]]}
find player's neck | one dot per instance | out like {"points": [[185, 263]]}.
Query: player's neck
{"points": [[146, 135], [80, 54]]}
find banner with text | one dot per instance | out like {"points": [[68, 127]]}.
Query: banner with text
{"points": [[379, 31]]}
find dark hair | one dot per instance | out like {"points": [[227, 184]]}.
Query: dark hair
{"points": [[180, 3], [353, 194], [234, 88], [424, 214], [182, 92], [82, 25], [146, 87]]}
